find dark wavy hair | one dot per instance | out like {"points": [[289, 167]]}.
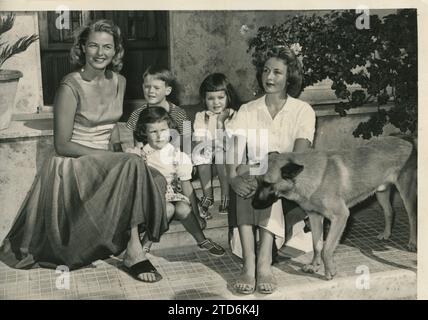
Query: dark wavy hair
{"points": [[219, 82], [294, 69], [78, 56], [151, 115]]}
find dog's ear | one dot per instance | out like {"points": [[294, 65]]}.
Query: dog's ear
{"points": [[264, 197], [291, 170]]}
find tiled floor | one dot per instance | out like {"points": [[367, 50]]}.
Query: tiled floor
{"points": [[189, 273]]}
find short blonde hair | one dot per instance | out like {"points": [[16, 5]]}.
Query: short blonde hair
{"points": [[78, 56], [160, 73]]}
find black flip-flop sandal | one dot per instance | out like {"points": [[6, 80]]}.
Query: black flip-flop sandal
{"points": [[144, 266]]}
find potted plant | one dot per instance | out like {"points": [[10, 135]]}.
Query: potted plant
{"points": [[9, 78], [381, 60]]}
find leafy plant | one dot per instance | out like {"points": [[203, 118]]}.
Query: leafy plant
{"points": [[382, 60], [8, 50]]}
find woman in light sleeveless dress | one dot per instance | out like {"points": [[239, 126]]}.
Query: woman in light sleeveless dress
{"points": [[88, 202]]}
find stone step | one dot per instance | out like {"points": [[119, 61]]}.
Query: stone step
{"points": [[177, 236], [217, 227]]}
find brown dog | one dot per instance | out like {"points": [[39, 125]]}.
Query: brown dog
{"points": [[327, 184]]}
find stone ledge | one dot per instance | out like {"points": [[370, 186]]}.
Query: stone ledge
{"points": [[41, 124], [328, 109], [28, 128], [32, 116]]}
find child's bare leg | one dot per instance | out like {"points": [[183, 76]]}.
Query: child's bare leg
{"points": [[224, 183], [224, 186], [170, 211], [205, 174], [182, 210]]}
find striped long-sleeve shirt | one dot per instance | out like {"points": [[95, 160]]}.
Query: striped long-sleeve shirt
{"points": [[177, 114]]}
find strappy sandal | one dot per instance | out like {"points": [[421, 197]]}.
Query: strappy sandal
{"points": [[263, 280], [247, 281], [224, 206], [204, 205], [144, 266]]}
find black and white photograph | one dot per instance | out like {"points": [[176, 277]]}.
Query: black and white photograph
{"points": [[212, 153]]}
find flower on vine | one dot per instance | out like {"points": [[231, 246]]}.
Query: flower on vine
{"points": [[403, 55], [296, 48], [244, 29]]}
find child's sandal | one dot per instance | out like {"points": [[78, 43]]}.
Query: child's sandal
{"points": [[224, 206], [204, 205]]}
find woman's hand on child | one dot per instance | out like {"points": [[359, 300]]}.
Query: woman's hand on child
{"points": [[137, 151], [244, 187], [134, 150]]}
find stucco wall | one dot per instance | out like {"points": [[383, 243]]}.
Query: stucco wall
{"points": [[29, 94], [203, 42], [335, 132]]}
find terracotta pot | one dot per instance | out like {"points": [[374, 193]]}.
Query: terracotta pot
{"points": [[8, 85]]}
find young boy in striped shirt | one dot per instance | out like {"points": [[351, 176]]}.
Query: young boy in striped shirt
{"points": [[157, 86]]}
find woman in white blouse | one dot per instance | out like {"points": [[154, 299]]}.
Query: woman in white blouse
{"points": [[275, 122]]}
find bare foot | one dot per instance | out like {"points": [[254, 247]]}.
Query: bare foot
{"points": [[266, 282], [245, 284], [330, 270]]}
